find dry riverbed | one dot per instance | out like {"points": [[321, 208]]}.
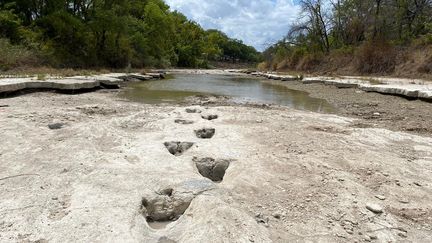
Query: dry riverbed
{"points": [[372, 109], [96, 168]]}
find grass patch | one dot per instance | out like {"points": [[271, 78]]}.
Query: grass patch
{"points": [[41, 76], [13, 56]]}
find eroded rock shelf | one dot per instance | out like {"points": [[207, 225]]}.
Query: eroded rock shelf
{"points": [[76, 83], [413, 89]]}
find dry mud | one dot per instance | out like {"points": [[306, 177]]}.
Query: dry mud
{"points": [[106, 175], [372, 109]]}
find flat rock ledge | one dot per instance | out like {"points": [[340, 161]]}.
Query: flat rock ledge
{"points": [[408, 88], [75, 83]]}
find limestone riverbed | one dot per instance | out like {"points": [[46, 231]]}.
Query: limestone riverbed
{"points": [[409, 88], [96, 167]]}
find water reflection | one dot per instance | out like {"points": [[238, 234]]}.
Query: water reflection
{"points": [[240, 88]]}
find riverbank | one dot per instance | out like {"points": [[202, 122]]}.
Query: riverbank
{"points": [[390, 103], [92, 167], [371, 109], [408, 88]]}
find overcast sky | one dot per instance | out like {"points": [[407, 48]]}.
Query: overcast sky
{"points": [[258, 23]]}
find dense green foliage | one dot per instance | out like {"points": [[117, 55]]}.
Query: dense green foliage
{"points": [[366, 29], [114, 33]]}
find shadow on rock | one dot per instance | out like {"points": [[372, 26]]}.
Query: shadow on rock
{"points": [[205, 133], [168, 205], [178, 148], [210, 117], [211, 168]]}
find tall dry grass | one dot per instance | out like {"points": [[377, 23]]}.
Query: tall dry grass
{"points": [[375, 57]]}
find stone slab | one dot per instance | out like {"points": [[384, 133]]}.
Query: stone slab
{"points": [[410, 88], [8, 85]]}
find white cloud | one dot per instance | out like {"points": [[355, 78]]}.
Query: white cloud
{"points": [[255, 22]]}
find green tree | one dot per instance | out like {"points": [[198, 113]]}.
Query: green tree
{"points": [[113, 33]]}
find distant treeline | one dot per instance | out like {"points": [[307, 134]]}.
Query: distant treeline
{"points": [[109, 33], [369, 35]]}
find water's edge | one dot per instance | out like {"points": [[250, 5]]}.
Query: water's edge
{"points": [[239, 88]]}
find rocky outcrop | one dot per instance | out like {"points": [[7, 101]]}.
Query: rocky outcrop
{"points": [[76, 83], [407, 88], [409, 91]]}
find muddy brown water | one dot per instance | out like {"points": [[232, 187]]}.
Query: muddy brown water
{"points": [[240, 88]]}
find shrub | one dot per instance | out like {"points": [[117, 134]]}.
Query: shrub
{"points": [[41, 76], [15, 55], [426, 66], [423, 40], [344, 50], [296, 56], [309, 61], [282, 64], [9, 25], [375, 57], [263, 66]]}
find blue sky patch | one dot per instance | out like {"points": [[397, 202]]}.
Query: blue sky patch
{"points": [[258, 23]]}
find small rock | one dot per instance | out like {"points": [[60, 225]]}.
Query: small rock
{"points": [[417, 184], [381, 197], [261, 219], [210, 117], [189, 110], [184, 122], [403, 200], [375, 208], [277, 215], [376, 114], [55, 126], [403, 234]]}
